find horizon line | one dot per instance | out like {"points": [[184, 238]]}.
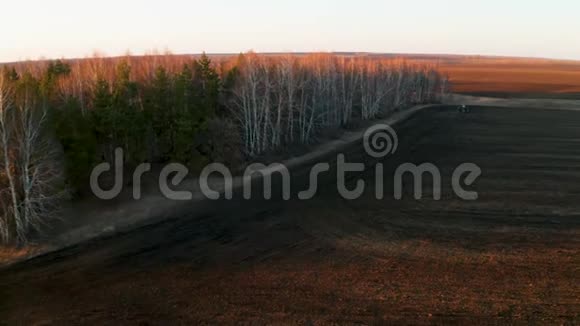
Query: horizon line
{"points": [[98, 54]]}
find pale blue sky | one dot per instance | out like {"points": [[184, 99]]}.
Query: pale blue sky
{"points": [[30, 29]]}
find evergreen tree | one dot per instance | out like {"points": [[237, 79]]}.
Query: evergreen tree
{"points": [[159, 113], [54, 71], [209, 84], [10, 74], [102, 116], [79, 141], [127, 124]]}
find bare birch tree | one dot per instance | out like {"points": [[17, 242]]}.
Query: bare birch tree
{"points": [[280, 100], [30, 165]]}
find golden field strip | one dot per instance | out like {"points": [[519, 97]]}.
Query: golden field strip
{"points": [[513, 76]]}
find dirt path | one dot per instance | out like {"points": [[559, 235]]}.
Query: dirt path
{"points": [[531, 103], [511, 256]]}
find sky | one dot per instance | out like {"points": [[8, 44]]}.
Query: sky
{"points": [[33, 29]]}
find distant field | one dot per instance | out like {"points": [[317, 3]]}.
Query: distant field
{"points": [[504, 76], [513, 77]]}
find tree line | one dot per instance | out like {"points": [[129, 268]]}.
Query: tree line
{"points": [[58, 119]]}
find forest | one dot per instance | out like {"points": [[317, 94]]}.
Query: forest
{"points": [[58, 119]]}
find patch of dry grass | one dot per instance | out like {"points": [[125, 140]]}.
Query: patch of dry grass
{"points": [[11, 254]]}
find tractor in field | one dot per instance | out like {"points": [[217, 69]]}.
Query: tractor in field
{"points": [[463, 109]]}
